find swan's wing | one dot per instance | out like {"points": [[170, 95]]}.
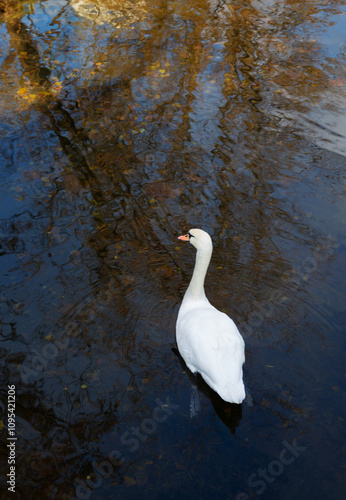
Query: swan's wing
{"points": [[210, 342]]}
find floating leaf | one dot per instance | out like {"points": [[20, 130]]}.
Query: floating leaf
{"points": [[129, 481]]}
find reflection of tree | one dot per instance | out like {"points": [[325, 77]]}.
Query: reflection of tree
{"points": [[118, 13], [25, 47], [132, 147], [58, 398]]}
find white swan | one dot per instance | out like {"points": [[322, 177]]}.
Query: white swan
{"points": [[207, 339]]}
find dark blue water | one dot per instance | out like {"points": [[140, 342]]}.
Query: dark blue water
{"points": [[122, 125]]}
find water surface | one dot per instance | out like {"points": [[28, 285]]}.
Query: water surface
{"points": [[122, 125]]}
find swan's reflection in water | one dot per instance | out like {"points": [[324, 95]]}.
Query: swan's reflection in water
{"points": [[229, 413]]}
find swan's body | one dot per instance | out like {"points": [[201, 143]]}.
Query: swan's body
{"points": [[208, 340]]}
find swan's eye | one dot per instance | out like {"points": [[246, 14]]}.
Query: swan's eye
{"points": [[190, 235]]}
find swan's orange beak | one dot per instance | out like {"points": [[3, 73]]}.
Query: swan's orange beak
{"points": [[186, 237]]}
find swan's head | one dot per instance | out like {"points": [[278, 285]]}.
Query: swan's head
{"points": [[198, 238]]}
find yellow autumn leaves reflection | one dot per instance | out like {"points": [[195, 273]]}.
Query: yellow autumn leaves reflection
{"points": [[31, 94]]}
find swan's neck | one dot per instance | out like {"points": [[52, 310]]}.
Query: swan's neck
{"points": [[195, 290]]}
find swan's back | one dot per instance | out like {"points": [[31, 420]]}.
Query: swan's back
{"points": [[211, 345]]}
